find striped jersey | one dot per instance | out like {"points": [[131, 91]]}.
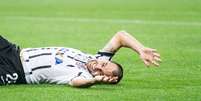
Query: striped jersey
{"points": [[57, 65]]}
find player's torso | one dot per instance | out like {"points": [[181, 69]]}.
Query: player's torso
{"points": [[53, 63]]}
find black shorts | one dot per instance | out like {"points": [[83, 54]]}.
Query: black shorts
{"points": [[11, 70]]}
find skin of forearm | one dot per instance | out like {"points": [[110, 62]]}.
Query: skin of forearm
{"points": [[123, 39], [126, 40], [83, 83], [113, 45]]}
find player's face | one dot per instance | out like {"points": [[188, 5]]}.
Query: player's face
{"points": [[102, 67]]}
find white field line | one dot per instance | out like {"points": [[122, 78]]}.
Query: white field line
{"points": [[96, 20]]}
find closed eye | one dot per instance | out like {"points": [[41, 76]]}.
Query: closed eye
{"points": [[104, 64]]}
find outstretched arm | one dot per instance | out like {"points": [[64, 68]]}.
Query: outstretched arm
{"points": [[123, 39]]}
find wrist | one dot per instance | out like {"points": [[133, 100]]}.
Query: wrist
{"points": [[140, 50]]}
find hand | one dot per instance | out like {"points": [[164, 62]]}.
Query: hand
{"points": [[106, 79], [150, 56], [99, 78]]}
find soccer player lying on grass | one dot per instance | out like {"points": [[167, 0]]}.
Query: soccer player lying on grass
{"points": [[60, 65]]}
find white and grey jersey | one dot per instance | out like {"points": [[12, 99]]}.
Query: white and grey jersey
{"points": [[58, 65]]}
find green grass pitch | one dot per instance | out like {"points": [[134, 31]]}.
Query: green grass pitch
{"points": [[171, 26]]}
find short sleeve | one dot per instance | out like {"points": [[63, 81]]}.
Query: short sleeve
{"points": [[104, 55]]}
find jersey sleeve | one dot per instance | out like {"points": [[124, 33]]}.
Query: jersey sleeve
{"points": [[104, 55]]}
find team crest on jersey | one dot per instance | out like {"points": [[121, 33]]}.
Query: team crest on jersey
{"points": [[58, 61]]}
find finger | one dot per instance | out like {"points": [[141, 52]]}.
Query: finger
{"points": [[99, 78], [147, 63], [155, 63], [106, 79], [115, 78], [110, 80], [157, 59], [156, 54]]}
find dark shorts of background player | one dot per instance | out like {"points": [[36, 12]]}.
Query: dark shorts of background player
{"points": [[11, 70]]}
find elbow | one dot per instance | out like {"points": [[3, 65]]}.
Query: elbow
{"points": [[121, 36], [121, 33]]}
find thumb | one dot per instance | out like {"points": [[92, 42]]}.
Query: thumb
{"points": [[146, 63]]}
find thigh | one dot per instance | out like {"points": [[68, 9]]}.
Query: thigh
{"points": [[11, 70], [7, 75]]}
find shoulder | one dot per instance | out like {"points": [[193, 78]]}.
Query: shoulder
{"points": [[104, 55]]}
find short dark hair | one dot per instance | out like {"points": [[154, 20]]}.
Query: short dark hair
{"points": [[118, 72]]}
